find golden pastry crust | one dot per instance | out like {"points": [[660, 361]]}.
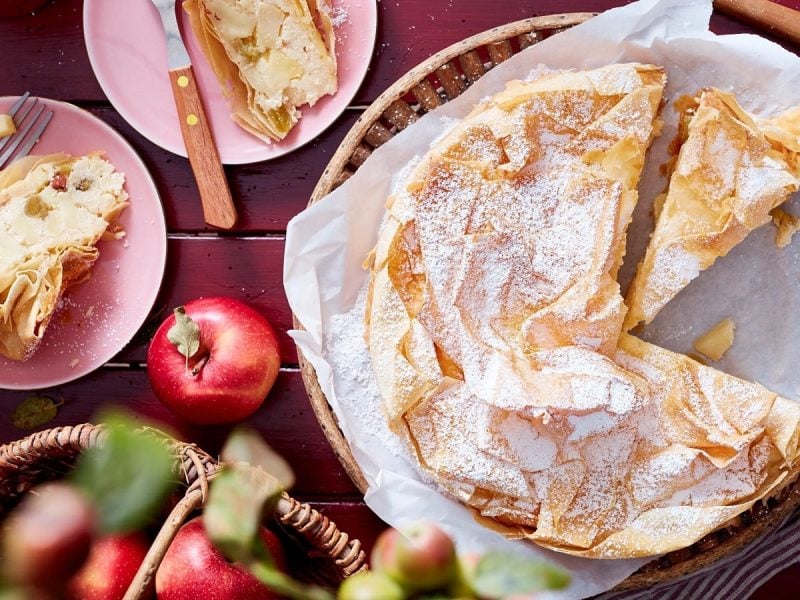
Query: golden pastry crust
{"points": [[728, 176], [536, 193], [53, 210], [493, 323]]}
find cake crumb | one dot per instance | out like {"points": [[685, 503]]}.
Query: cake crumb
{"points": [[74, 363], [715, 342], [338, 16], [787, 225]]}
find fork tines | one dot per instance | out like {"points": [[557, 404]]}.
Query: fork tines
{"points": [[29, 130]]}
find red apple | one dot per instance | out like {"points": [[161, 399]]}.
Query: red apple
{"points": [[420, 557], [193, 568], [47, 538], [110, 568], [229, 371]]}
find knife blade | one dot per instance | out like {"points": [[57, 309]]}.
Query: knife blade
{"points": [[215, 195], [177, 56]]}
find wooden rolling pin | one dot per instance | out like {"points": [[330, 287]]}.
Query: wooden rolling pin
{"points": [[774, 18]]}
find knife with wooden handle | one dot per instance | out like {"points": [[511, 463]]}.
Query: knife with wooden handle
{"points": [[215, 195], [774, 18]]}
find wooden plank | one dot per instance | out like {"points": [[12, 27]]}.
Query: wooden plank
{"points": [[250, 269], [781, 587], [52, 59], [267, 194], [44, 53], [285, 420]]}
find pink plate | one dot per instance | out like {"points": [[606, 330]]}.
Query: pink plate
{"points": [[98, 317], [128, 53]]}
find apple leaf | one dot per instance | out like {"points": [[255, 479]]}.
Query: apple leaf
{"points": [[240, 496], [499, 574], [184, 335], [246, 446], [284, 585], [128, 477], [34, 411]]}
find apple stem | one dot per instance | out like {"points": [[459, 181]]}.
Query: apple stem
{"points": [[198, 365]]}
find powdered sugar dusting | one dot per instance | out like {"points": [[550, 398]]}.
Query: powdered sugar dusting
{"points": [[347, 353], [492, 272]]}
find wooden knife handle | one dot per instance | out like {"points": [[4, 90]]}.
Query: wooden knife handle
{"points": [[218, 209], [774, 18]]}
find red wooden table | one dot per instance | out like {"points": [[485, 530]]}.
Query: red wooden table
{"points": [[44, 53]]}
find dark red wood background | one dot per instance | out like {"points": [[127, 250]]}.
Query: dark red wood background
{"points": [[44, 53]]}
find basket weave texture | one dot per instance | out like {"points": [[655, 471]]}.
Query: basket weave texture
{"points": [[50, 454], [439, 79]]}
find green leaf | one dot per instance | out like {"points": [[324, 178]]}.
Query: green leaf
{"points": [[499, 574], [247, 446], [129, 477], [34, 412], [184, 335], [284, 585], [240, 496]]}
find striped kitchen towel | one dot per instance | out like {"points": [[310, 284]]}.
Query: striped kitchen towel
{"points": [[733, 578]]}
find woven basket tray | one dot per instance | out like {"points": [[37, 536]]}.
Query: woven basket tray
{"points": [[329, 555], [442, 77]]}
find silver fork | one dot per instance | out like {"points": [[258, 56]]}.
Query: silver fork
{"points": [[37, 123]]}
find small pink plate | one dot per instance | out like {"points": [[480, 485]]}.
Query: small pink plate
{"points": [[128, 53], [98, 317]]}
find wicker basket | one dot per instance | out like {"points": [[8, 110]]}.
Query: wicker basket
{"points": [[442, 77], [330, 554]]}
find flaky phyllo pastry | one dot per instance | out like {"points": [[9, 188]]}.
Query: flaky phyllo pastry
{"points": [[493, 323], [270, 57], [729, 174], [53, 210]]}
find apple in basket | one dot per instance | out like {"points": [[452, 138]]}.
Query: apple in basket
{"points": [[213, 360], [110, 569], [47, 538], [193, 568], [420, 556]]}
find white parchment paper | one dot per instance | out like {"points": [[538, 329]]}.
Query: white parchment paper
{"points": [[756, 284]]}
